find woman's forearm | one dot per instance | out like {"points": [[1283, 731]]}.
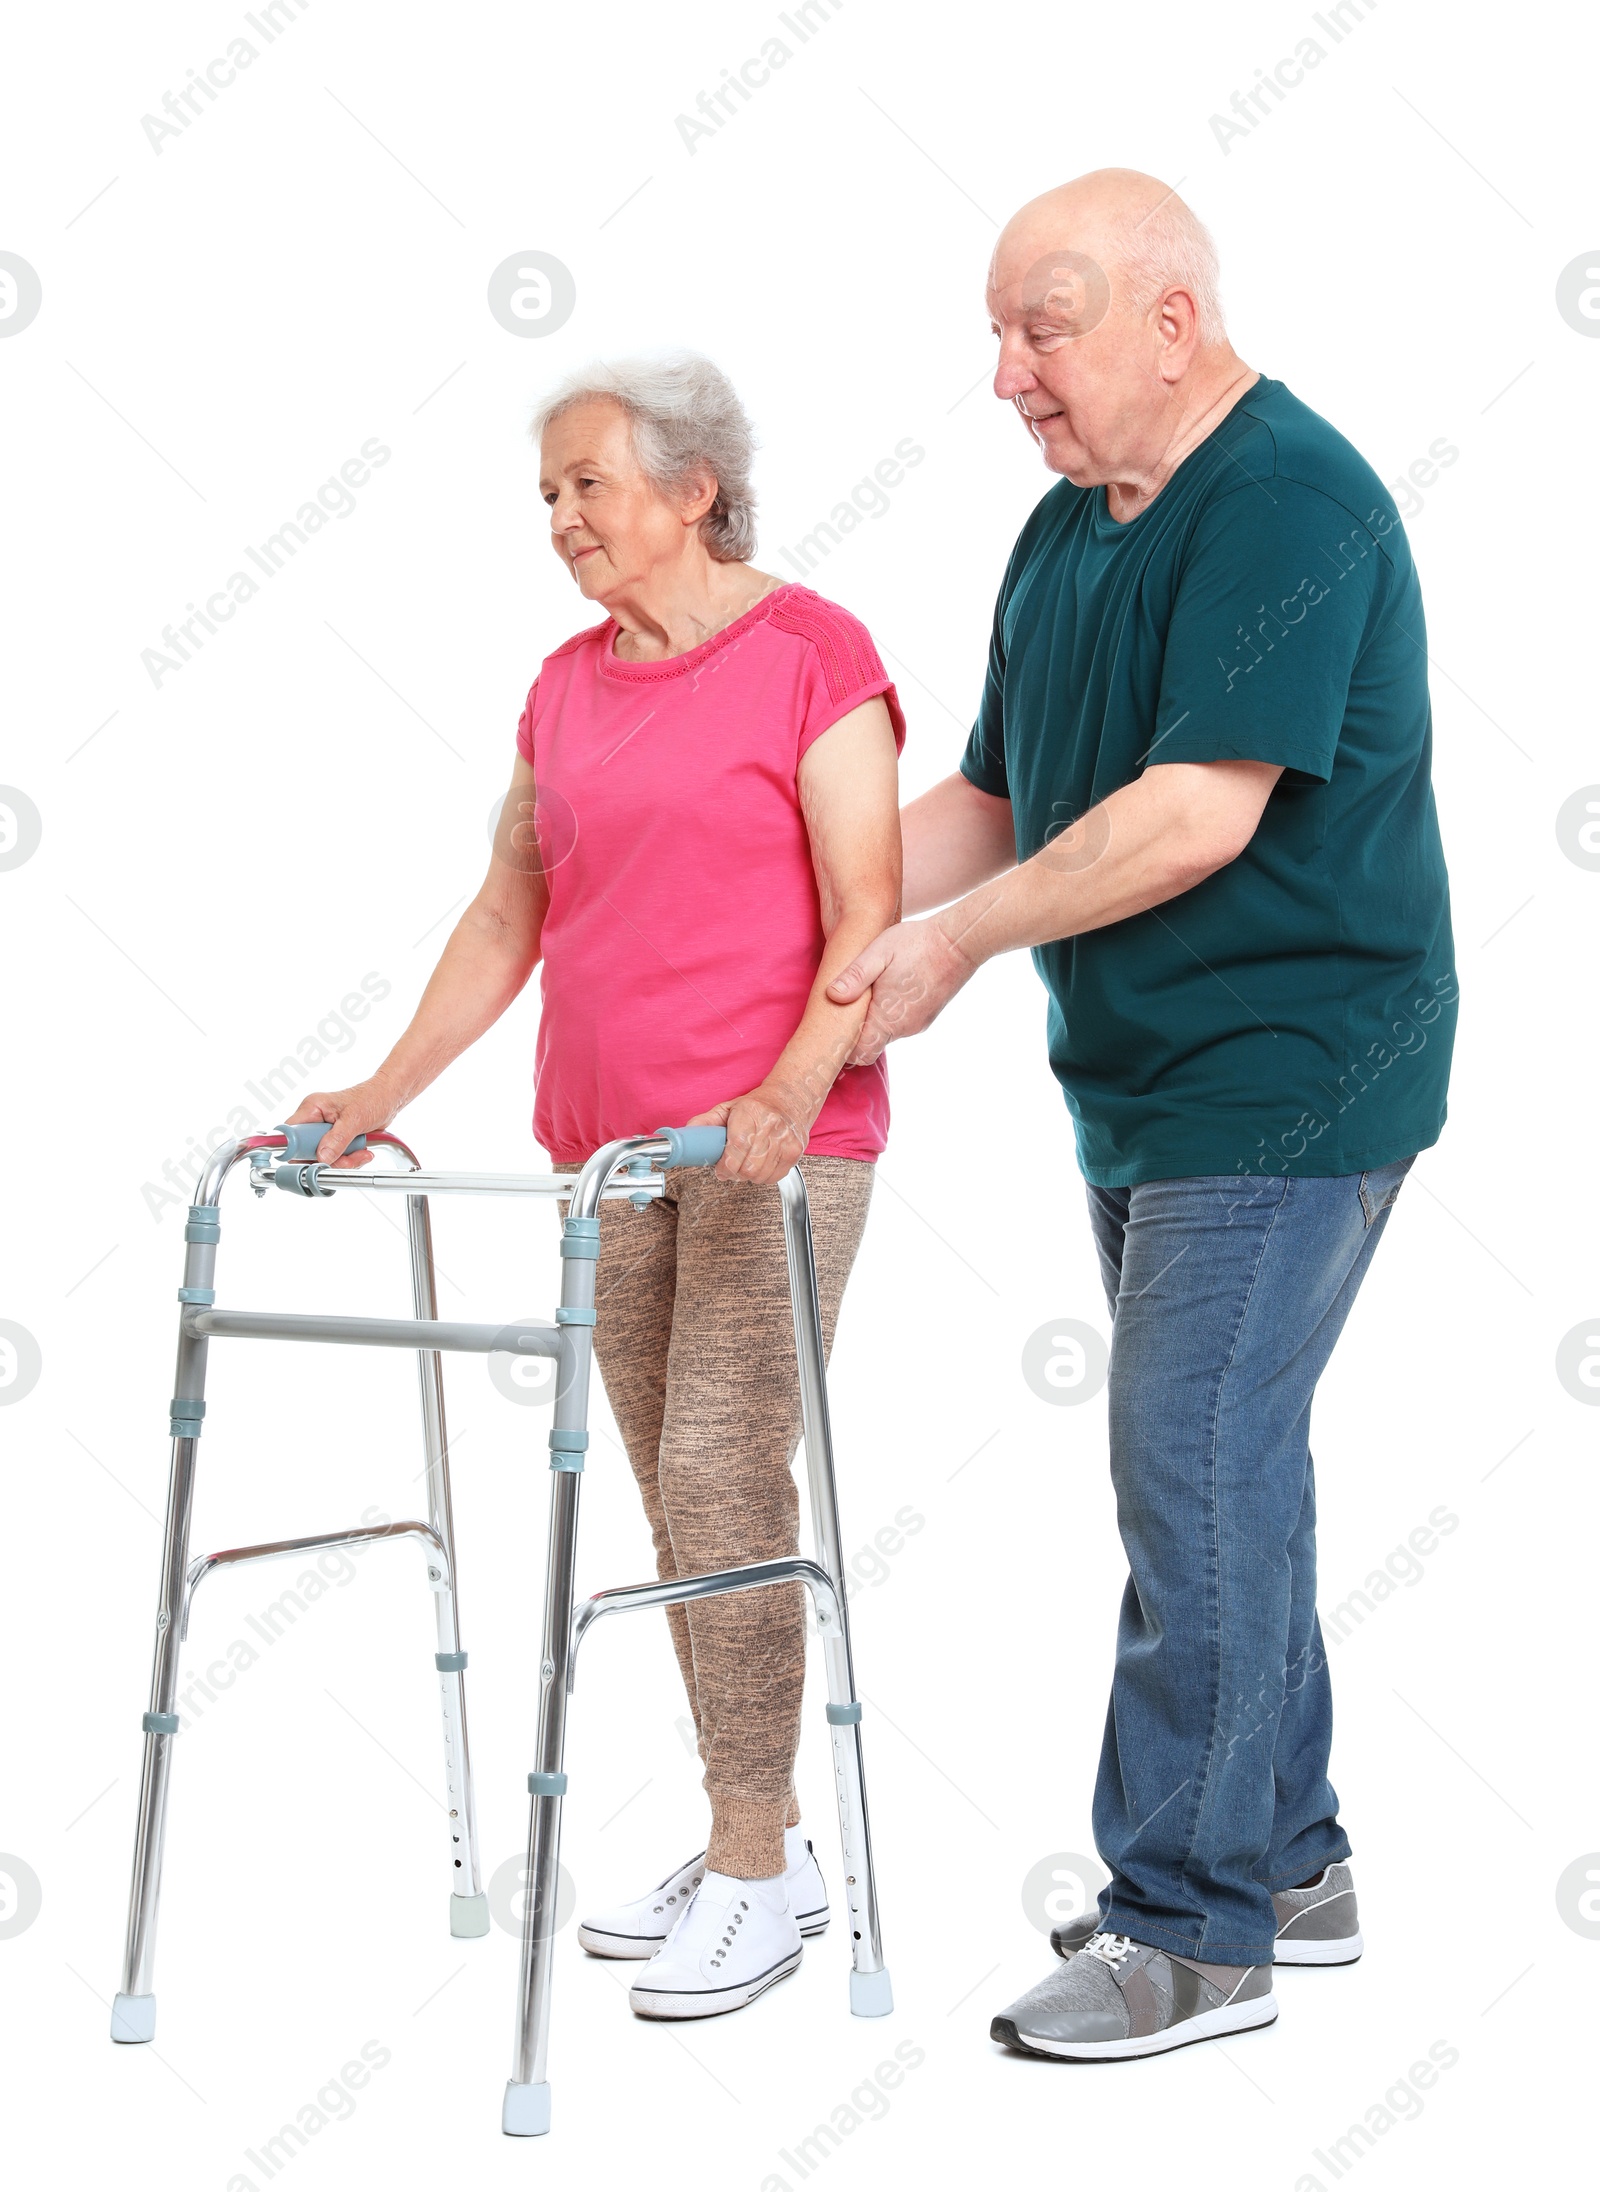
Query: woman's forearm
{"points": [[815, 1054], [847, 796], [482, 969], [492, 950]]}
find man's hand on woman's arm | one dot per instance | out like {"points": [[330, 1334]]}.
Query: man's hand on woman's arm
{"points": [[1152, 840], [492, 950], [849, 796]]}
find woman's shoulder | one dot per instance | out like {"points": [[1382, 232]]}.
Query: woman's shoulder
{"points": [[591, 634], [537, 699], [849, 658]]}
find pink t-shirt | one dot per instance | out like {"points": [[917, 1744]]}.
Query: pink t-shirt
{"points": [[683, 933]]}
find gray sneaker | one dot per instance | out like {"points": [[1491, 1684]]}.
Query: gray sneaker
{"points": [[1120, 1998], [1316, 1925]]}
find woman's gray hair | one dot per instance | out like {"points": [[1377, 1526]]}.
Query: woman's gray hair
{"points": [[686, 420]]}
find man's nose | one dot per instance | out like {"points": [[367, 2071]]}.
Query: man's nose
{"points": [[1012, 376]]}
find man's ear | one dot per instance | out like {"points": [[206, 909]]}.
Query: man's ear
{"points": [[1178, 330]]}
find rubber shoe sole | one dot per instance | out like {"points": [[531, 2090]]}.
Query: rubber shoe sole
{"points": [[623, 1947], [1211, 2024], [812, 1923], [673, 2007], [1347, 1951]]}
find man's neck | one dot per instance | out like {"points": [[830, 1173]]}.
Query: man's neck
{"points": [[1201, 402]]}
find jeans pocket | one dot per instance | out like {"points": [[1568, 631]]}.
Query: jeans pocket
{"points": [[1379, 1189]]}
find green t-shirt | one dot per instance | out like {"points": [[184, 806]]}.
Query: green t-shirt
{"points": [[1295, 1011]]}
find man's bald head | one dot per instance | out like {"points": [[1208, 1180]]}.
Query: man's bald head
{"points": [[1131, 227], [1103, 295]]}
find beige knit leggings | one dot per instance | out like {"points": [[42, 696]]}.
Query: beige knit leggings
{"points": [[695, 1341]]}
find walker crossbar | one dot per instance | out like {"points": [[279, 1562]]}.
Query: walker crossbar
{"points": [[680, 1590], [553, 1186], [629, 1169], [287, 1548], [453, 1339]]}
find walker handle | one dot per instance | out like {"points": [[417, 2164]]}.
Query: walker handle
{"points": [[302, 1140], [693, 1145]]}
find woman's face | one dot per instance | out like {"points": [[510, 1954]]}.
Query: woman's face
{"points": [[608, 524]]}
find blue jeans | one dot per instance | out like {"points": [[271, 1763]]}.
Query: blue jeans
{"points": [[1227, 1296]]}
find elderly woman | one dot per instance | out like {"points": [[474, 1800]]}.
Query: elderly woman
{"points": [[710, 774]]}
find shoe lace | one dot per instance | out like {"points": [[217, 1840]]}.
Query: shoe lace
{"points": [[1111, 1948]]}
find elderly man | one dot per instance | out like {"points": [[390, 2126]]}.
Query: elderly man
{"points": [[1198, 789]]}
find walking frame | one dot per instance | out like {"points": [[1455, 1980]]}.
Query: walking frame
{"points": [[628, 1168]]}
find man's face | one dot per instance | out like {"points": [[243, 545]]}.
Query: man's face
{"points": [[1077, 363]]}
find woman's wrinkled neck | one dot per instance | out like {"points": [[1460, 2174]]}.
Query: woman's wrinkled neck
{"points": [[678, 608]]}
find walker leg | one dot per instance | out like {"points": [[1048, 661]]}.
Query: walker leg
{"points": [[133, 2014], [526, 2109], [469, 1905], [870, 1992]]}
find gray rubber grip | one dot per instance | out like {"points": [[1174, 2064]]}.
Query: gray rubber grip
{"points": [[694, 1145], [302, 1140]]}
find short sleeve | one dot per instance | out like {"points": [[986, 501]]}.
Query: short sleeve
{"points": [[843, 670], [525, 726], [1279, 590], [984, 761]]}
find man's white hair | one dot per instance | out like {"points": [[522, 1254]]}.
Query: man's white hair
{"points": [[686, 420], [1170, 249]]}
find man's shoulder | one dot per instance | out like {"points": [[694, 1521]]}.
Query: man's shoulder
{"points": [[1275, 437]]}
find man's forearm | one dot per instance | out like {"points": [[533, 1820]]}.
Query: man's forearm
{"points": [[1139, 847], [954, 838]]}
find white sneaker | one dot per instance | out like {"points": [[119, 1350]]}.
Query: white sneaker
{"points": [[736, 1939], [639, 1928], [808, 1898]]}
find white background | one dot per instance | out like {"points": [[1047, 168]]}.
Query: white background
{"points": [[224, 857]]}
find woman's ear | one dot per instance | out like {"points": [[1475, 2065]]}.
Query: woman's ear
{"points": [[697, 496]]}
